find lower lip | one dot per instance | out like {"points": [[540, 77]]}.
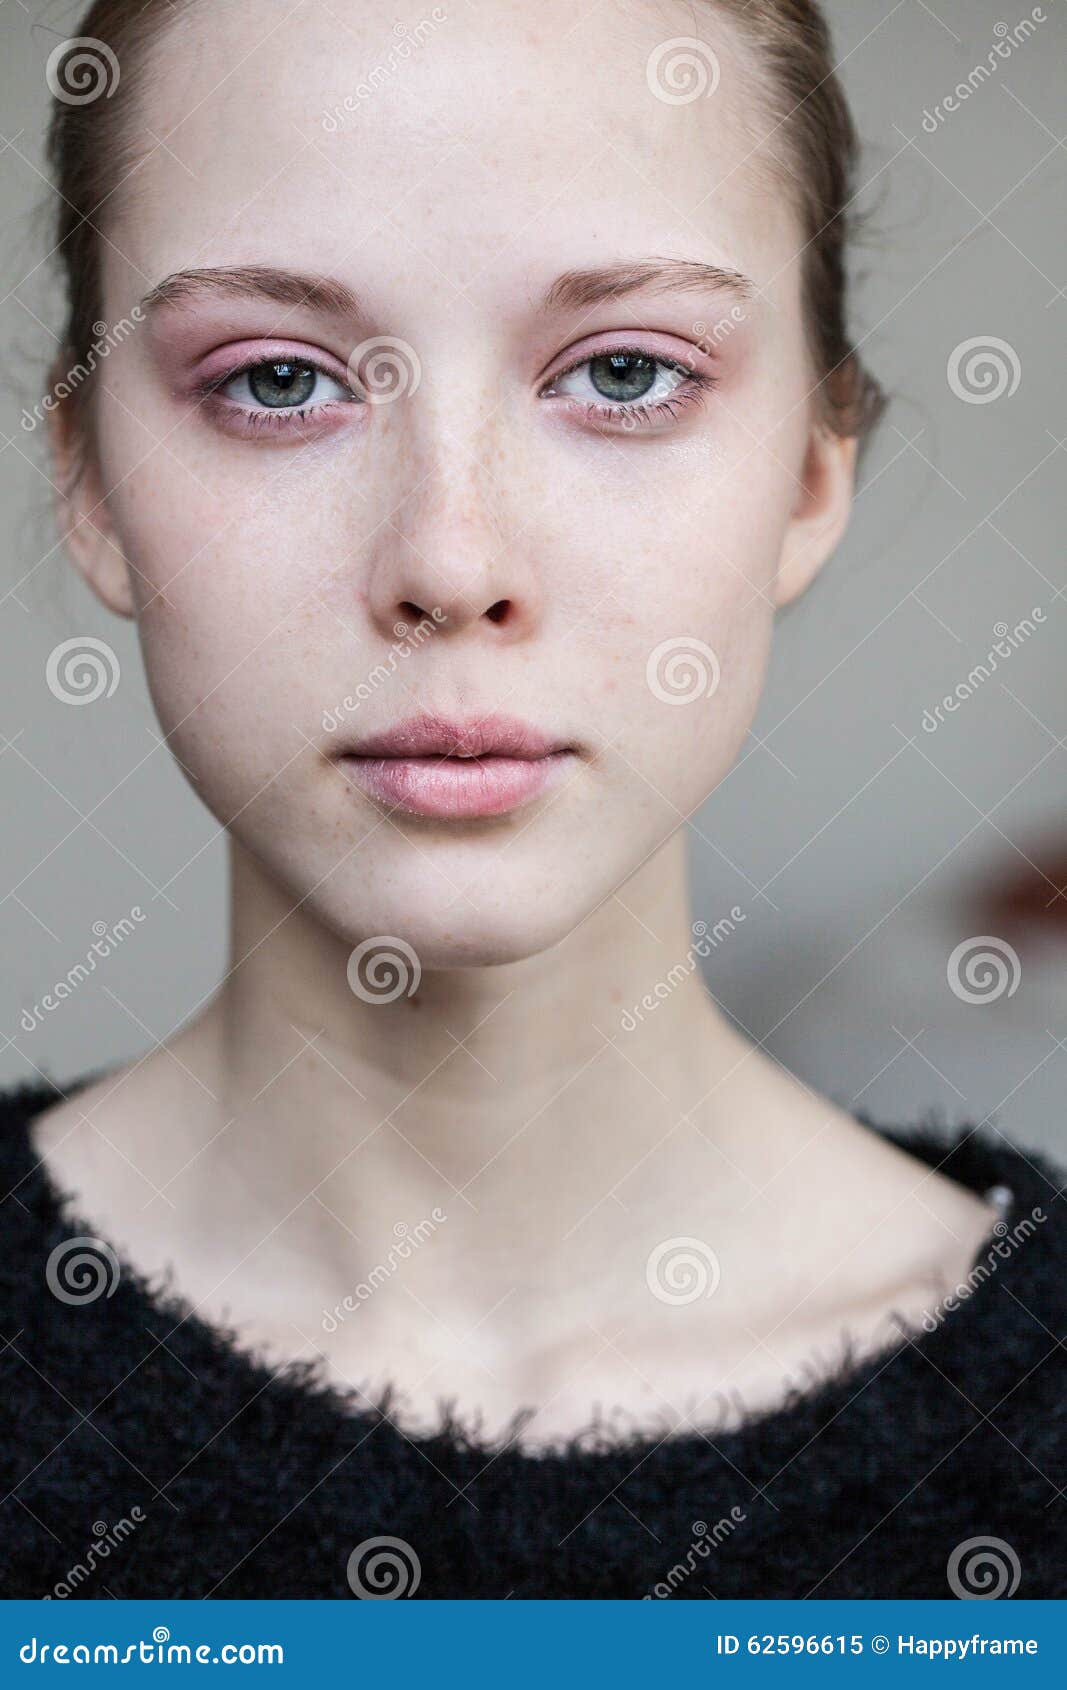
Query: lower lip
{"points": [[456, 787]]}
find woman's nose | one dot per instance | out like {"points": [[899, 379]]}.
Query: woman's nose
{"points": [[447, 553]]}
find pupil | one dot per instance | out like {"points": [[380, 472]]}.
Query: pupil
{"points": [[622, 375], [282, 384]]}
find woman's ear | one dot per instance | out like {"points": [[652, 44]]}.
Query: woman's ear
{"points": [[820, 515], [84, 520]]}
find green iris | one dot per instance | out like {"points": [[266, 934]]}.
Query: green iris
{"points": [[282, 383], [622, 375]]}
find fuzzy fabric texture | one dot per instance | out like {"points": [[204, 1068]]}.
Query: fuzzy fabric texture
{"points": [[144, 1453]]}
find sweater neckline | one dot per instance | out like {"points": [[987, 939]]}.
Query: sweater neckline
{"points": [[977, 1157]]}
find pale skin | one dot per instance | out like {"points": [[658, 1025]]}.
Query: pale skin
{"points": [[268, 1150]]}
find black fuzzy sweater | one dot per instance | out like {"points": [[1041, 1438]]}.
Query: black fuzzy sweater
{"points": [[144, 1454]]}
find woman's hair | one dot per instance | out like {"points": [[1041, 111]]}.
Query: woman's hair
{"points": [[95, 144]]}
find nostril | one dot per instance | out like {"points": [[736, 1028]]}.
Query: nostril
{"points": [[411, 610], [498, 612]]}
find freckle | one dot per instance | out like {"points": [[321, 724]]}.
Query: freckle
{"points": [[616, 996]]}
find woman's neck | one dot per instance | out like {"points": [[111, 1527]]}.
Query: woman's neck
{"points": [[612, 1025], [471, 1192]]}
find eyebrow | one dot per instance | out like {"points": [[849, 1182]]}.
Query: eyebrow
{"points": [[255, 281], [576, 289], [573, 290]]}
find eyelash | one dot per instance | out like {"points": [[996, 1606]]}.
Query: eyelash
{"points": [[267, 419], [692, 391]]}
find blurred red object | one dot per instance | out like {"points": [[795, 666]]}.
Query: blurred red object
{"points": [[1026, 896]]}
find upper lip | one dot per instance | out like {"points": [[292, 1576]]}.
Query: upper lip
{"points": [[440, 736]]}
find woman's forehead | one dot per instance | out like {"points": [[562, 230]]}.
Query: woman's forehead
{"points": [[478, 130]]}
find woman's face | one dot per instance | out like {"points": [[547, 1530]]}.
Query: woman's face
{"points": [[545, 517]]}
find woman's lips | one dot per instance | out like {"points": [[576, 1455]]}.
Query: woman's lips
{"points": [[455, 786], [431, 766]]}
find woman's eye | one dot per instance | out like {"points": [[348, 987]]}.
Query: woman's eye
{"points": [[284, 384], [622, 378]]}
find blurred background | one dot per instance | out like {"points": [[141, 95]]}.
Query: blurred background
{"points": [[895, 829]]}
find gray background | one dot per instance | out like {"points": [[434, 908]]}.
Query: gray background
{"points": [[852, 838]]}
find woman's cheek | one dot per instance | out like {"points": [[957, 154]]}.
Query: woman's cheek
{"points": [[702, 689], [212, 630], [692, 648]]}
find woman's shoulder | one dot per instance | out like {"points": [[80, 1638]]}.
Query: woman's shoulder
{"points": [[959, 1432], [26, 1196], [1024, 1255], [43, 1255], [80, 1324], [984, 1374], [1027, 1186]]}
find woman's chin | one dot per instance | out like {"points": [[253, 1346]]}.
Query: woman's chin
{"points": [[455, 934]]}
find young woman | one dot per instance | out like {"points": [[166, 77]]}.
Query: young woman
{"points": [[464, 426]]}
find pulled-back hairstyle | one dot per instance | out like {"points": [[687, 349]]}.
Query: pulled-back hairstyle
{"points": [[94, 144]]}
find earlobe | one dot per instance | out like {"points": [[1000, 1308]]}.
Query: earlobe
{"points": [[820, 515], [84, 522], [102, 563]]}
